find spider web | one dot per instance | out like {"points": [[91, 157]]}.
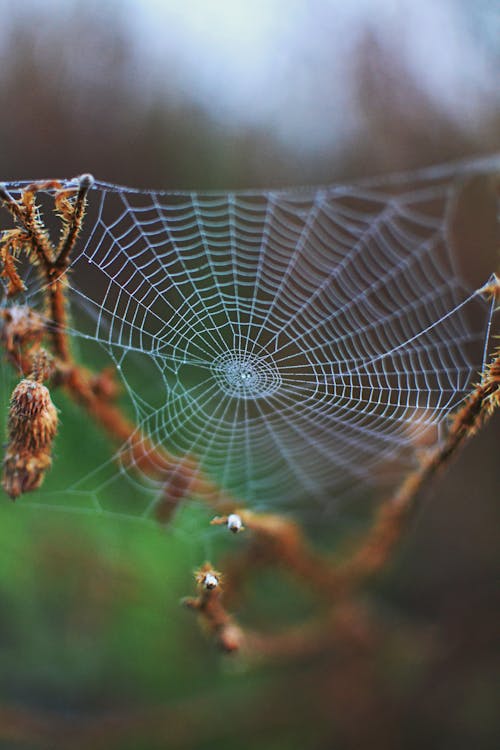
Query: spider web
{"points": [[302, 344]]}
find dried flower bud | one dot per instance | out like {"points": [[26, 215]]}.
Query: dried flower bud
{"points": [[32, 417], [32, 426], [207, 578]]}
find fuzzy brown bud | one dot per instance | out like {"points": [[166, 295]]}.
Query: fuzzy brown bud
{"points": [[32, 426]]}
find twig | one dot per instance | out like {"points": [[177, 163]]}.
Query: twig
{"points": [[392, 516], [25, 215], [53, 262], [208, 605], [23, 334], [73, 218], [278, 541]]}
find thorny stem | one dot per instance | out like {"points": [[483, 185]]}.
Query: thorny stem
{"points": [[85, 182], [58, 312], [53, 262], [392, 516], [56, 271], [208, 605], [24, 212]]}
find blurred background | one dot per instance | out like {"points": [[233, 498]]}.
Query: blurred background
{"points": [[228, 94], [219, 94]]}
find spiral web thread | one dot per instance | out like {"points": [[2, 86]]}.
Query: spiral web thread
{"points": [[301, 344]]}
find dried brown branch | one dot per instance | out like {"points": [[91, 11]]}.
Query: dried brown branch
{"points": [[72, 214], [393, 515], [24, 330], [275, 540], [213, 615], [346, 627], [25, 213], [52, 262], [8, 260]]}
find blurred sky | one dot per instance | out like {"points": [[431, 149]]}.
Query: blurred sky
{"points": [[289, 64], [230, 92]]}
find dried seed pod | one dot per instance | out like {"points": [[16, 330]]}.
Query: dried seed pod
{"points": [[32, 417], [32, 426]]}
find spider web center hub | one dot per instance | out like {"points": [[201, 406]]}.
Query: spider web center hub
{"points": [[246, 375]]}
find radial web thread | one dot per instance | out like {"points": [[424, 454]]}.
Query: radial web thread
{"points": [[301, 344]]}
